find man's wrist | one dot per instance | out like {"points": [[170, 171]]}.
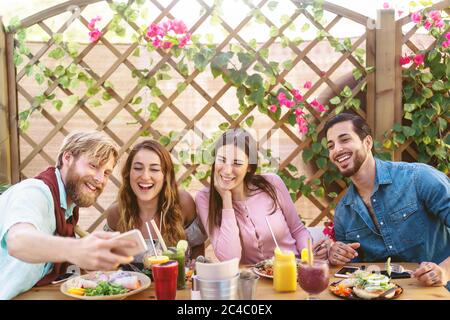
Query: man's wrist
{"points": [[67, 248], [445, 267]]}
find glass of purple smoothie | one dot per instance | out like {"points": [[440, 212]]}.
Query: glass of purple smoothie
{"points": [[313, 278]]}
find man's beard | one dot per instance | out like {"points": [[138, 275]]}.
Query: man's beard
{"points": [[360, 157], [74, 189]]}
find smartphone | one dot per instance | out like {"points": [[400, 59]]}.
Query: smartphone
{"points": [[136, 236], [64, 277], [346, 271]]}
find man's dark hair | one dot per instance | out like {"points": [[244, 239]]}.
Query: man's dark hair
{"points": [[360, 126]]}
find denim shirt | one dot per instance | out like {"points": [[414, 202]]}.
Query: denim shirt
{"points": [[412, 204]]}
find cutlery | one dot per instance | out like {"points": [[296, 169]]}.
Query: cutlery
{"points": [[384, 294], [397, 268]]}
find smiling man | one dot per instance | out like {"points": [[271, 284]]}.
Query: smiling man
{"points": [[38, 217], [391, 209]]}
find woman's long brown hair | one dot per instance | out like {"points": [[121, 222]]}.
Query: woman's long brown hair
{"points": [[252, 182], [169, 210]]}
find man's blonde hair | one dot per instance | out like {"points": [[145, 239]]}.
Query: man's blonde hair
{"points": [[94, 144]]}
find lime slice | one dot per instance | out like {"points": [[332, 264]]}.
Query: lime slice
{"points": [[182, 245]]}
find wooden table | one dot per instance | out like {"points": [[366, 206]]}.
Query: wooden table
{"points": [[412, 291]]}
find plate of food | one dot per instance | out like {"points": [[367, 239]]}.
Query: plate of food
{"points": [[364, 285], [106, 285], [265, 268]]}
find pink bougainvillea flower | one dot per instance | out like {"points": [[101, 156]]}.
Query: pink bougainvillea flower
{"points": [[156, 42], [386, 5], [166, 26], [329, 230], [307, 85], [318, 106], [315, 103], [440, 24], [435, 15], [284, 101], [419, 59], [154, 31], [281, 96], [299, 112], [273, 108], [297, 95], [288, 103], [427, 25], [167, 34], [178, 26], [184, 41], [167, 45], [94, 35], [405, 60], [91, 24], [321, 108], [445, 44], [447, 36], [303, 129], [302, 125], [416, 17]]}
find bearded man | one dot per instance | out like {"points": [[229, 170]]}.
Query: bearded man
{"points": [[392, 209], [38, 217]]}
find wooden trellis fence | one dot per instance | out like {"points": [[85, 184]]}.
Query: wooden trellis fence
{"points": [[30, 151]]}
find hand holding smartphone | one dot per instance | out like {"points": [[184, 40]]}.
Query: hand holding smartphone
{"points": [[136, 236]]}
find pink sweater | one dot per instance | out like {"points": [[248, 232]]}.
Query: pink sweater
{"points": [[247, 218]]}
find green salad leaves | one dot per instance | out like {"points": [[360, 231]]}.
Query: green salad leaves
{"points": [[105, 289]]}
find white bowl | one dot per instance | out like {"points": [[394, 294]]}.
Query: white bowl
{"points": [[218, 270]]}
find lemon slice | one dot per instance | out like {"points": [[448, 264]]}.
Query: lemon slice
{"points": [[157, 259], [182, 245]]}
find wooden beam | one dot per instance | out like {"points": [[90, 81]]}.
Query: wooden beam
{"points": [[12, 109], [385, 73], [398, 95], [5, 152], [370, 62]]}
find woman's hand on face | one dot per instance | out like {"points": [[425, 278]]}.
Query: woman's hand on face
{"points": [[225, 194], [221, 189]]}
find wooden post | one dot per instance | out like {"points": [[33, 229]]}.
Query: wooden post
{"points": [[5, 154], [385, 73], [12, 109], [370, 62], [398, 105]]}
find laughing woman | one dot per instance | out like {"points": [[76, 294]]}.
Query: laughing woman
{"points": [[234, 209], [149, 191]]}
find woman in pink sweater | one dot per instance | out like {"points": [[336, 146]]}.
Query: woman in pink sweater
{"points": [[234, 209]]}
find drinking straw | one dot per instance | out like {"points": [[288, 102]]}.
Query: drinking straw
{"points": [[273, 236], [161, 240], [151, 238], [310, 252]]}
